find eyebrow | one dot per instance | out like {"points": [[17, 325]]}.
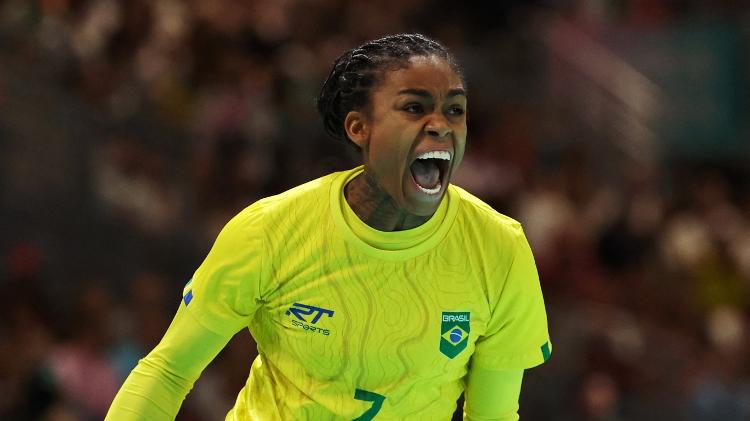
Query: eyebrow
{"points": [[424, 94]]}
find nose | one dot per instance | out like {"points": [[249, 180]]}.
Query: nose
{"points": [[437, 126]]}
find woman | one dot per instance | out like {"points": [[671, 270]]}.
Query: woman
{"points": [[382, 292]]}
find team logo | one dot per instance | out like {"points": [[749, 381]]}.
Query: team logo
{"points": [[306, 316], [454, 332], [546, 351], [188, 295]]}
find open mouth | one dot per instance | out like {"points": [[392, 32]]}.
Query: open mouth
{"points": [[429, 171]]}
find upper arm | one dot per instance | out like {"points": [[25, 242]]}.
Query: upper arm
{"points": [[492, 395], [187, 347], [224, 292], [219, 301], [516, 336]]}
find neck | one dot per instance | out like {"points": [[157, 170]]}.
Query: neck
{"points": [[376, 208]]}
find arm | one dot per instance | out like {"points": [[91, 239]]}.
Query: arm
{"points": [[492, 395], [155, 388], [516, 339], [218, 302], [516, 336]]}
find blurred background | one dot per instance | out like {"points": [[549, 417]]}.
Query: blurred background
{"points": [[615, 130]]}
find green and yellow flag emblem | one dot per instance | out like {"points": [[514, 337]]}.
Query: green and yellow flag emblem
{"points": [[454, 332]]}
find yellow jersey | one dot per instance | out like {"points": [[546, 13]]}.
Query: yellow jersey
{"points": [[357, 324]]}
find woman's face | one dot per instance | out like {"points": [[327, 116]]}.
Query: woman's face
{"points": [[415, 133]]}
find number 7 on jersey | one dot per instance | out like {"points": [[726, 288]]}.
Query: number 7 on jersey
{"points": [[377, 403]]}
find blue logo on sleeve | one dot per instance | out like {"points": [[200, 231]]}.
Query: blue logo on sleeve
{"points": [[188, 297]]}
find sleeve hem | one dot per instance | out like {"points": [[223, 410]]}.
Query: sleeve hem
{"points": [[214, 326], [529, 359]]}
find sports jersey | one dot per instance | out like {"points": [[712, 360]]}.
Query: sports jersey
{"points": [[355, 323]]}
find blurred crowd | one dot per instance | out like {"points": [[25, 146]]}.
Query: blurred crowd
{"points": [[132, 130]]}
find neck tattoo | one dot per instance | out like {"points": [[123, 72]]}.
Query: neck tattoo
{"points": [[376, 208]]}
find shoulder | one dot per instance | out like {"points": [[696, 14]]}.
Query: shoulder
{"points": [[474, 212], [308, 199], [311, 191]]}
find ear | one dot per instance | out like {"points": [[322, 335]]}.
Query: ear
{"points": [[357, 128]]}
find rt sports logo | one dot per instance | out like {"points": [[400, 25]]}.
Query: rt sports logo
{"points": [[305, 316]]}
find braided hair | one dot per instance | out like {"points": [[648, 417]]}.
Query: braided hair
{"points": [[357, 71]]}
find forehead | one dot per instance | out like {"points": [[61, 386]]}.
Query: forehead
{"points": [[431, 73]]}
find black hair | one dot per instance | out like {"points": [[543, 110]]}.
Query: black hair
{"points": [[357, 71]]}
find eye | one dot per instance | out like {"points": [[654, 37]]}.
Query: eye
{"points": [[413, 108], [456, 110]]}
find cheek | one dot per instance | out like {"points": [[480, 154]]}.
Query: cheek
{"points": [[460, 147], [461, 137], [389, 148]]}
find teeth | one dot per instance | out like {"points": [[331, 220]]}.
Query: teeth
{"points": [[434, 190], [435, 155]]}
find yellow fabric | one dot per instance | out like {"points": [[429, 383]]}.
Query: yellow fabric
{"points": [[155, 389], [492, 395], [354, 323]]}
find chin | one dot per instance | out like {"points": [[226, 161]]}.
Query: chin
{"points": [[425, 208]]}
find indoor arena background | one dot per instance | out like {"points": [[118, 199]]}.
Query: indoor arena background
{"points": [[615, 130]]}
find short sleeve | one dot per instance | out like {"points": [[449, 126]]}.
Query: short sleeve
{"points": [[224, 292], [517, 334]]}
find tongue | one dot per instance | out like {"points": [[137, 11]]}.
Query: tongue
{"points": [[426, 173]]}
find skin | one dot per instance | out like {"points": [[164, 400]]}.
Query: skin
{"points": [[416, 109]]}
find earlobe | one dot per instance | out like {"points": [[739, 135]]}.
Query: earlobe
{"points": [[357, 128]]}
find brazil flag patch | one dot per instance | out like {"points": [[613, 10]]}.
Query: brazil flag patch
{"points": [[454, 332]]}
